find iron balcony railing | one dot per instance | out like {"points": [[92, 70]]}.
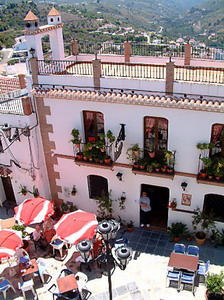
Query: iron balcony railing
{"points": [[207, 53], [101, 48], [157, 50]]}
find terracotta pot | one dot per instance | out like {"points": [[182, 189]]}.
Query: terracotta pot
{"points": [[142, 167], [217, 177], [200, 237], [203, 175], [91, 138], [107, 161], [130, 229], [101, 161], [173, 208], [157, 169], [136, 166], [85, 158], [151, 154], [210, 177], [176, 239], [163, 170], [79, 156]]}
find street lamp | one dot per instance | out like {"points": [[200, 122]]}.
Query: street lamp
{"points": [[108, 230], [32, 51]]}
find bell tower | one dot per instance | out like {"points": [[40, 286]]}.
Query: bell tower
{"points": [[54, 17], [34, 34]]}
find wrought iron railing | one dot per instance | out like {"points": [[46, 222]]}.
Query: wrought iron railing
{"points": [[207, 53], [64, 67], [199, 74], [101, 48], [157, 50], [12, 106], [131, 70]]}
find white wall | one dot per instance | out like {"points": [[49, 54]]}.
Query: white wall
{"points": [[186, 129]]}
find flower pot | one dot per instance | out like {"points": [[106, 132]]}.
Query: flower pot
{"points": [[169, 170], [151, 154], [173, 208], [79, 155], [130, 229], [142, 167], [176, 239], [217, 177], [203, 175], [107, 161], [101, 161], [210, 177], [163, 170], [85, 158], [136, 166], [91, 138], [24, 193], [200, 237]]}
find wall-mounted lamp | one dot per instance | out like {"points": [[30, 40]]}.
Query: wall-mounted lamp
{"points": [[119, 176], [184, 185], [7, 129], [32, 51]]}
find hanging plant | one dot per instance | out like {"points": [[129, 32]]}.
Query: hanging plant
{"points": [[74, 190], [23, 190], [35, 192]]}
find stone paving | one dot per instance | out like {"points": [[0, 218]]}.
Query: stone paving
{"points": [[144, 277]]}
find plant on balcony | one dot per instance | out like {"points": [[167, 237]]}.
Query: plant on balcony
{"points": [[204, 157], [151, 151], [76, 139], [203, 223], [23, 190], [133, 153], [173, 204]]}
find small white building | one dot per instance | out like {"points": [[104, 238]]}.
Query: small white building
{"points": [[20, 44], [163, 105]]}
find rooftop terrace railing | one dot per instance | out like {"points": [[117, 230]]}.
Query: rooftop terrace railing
{"points": [[13, 106], [147, 71], [199, 74], [157, 50]]}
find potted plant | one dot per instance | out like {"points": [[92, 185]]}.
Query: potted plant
{"points": [[130, 226], [35, 192], [215, 286], [23, 190], [177, 230], [156, 166], [133, 153], [107, 160], [76, 140], [151, 151], [79, 155], [173, 204], [105, 202], [205, 222], [74, 190]]}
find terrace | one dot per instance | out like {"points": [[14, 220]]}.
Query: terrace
{"points": [[150, 248]]}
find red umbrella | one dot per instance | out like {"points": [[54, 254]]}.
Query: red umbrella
{"points": [[10, 241], [33, 211], [76, 226]]}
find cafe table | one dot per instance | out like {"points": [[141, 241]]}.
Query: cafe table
{"points": [[33, 267], [183, 262], [67, 283]]}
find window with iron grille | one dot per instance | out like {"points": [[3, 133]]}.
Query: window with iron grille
{"points": [[217, 138], [155, 135], [214, 203], [98, 186], [93, 125]]}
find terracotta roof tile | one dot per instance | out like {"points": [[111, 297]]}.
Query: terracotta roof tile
{"points": [[30, 16], [54, 12]]}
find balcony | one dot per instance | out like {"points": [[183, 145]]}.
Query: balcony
{"points": [[94, 163]]}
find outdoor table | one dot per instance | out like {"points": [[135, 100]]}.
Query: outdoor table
{"points": [[183, 261], [32, 268], [67, 283]]}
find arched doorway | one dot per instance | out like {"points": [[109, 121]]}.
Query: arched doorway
{"points": [[159, 197]]}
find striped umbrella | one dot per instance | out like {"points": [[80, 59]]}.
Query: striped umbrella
{"points": [[32, 211], [10, 241], [76, 226]]}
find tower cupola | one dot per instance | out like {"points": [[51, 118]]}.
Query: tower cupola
{"points": [[31, 22], [54, 17]]}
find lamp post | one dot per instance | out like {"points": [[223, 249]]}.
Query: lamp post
{"points": [[108, 230], [32, 51]]}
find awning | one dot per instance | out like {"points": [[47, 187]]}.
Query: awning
{"points": [[5, 172]]}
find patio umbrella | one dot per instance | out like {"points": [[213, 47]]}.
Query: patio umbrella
{"points": [[10, 241], [76, 226], [32, 211]]}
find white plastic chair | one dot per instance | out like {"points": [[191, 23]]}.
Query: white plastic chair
{"points": [[26, 286], [5, 285], [19, 254], [42, 268], [81, 280], [58, 245]]}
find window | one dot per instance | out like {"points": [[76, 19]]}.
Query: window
{"points": [[98, 186], [214, 203], [58, 19], [93, 124], [52, 20], [217, 138], [155, 135]]}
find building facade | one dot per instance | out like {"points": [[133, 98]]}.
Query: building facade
{"points": [[156, 103]]}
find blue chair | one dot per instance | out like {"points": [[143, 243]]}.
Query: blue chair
{"points": [[121, 242], [203, 269], [192, 250], [179, 248], [71, 295], [173, 276], [5, 285], [65, 272], [187, 278]]}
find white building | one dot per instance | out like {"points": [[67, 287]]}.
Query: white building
{"points": [[20, 44], [158, 101]]}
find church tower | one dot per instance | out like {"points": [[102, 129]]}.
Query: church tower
{"points": [[54, 17]]}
